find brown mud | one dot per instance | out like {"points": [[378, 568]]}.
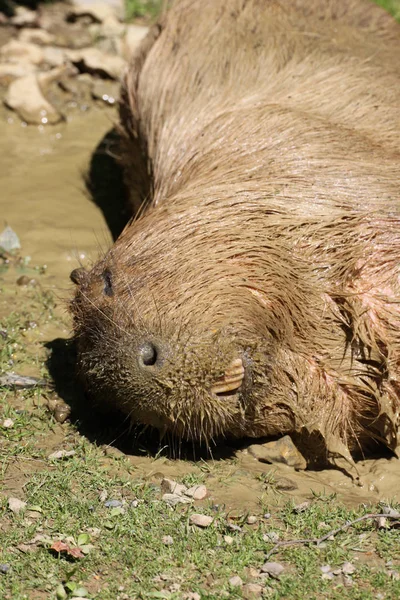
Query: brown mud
{"points": [[44, 199]]}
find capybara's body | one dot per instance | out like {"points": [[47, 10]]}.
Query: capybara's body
{"points": [[258, 292]]}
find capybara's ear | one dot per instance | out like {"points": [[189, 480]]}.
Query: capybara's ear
{"points": [[78, 275]]}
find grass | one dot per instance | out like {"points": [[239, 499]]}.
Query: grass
{"points": [[148, 10]]}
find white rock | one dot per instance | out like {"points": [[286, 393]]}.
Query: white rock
{"points": [[25, 97], [228, 540], [197, 492], [169, 486], [98, 62], [55, 57], [97, 9], [16, 505], [174, 499], [10, 71], [273, 569], [134, 34], [8, 423], [16, 52], [236, 581], [251, 519], [200, 520], [60, 454], [36, 36], [23, 17], [167, 540]]}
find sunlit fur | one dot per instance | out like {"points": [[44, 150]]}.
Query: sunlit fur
{"points": [[272, 230]]}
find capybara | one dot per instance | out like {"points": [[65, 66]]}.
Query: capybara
{"points": [[257, 293]]}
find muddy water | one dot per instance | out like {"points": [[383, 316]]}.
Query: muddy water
{"points": [[43, 198], [42, 191]]}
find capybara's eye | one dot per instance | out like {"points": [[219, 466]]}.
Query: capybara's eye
{"points": [[78, 275], [108, 288], [148, 354]]}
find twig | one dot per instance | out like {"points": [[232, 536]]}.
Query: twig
{"points": [[319, 541]]}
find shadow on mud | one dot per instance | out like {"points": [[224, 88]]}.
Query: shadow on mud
{"points": [[105, 184], [114, 429]]}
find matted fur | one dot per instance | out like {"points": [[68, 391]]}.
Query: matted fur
{"points": [[271, 228]]}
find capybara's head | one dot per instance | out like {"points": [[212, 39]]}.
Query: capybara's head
{"points": [[171, 331]]}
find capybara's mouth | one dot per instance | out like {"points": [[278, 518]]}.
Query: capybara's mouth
{"points": [[231, 381]]}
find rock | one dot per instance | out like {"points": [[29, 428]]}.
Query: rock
{"points": [[391, 512], [251, 520], [192, 596], [23, 17], [54, 57], [381, 522], [113, 503], [106, 90], [348, 568], [4, 568], [134, 34], [24, 281], [96, 62], [271, 536], [21, 52], [61, 454], [11, 71], [98, 10], [200, 520], [285, 484], [169, 486], [299, 508], [235, 581], [9, 240], [325, 569], [280, 451], [36, 36], [252, 590], [167, 540], [16, 505], [273, 569], [174, 499], [61, 412], [228, 540], [25, 97], [197, 492], [8, 423]]}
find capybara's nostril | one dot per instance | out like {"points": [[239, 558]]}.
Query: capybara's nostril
{"points": [[148, 354]]}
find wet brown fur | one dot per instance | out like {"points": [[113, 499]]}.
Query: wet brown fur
{"points": [[271, 230]]}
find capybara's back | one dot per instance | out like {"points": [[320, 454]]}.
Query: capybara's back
{"points": [[257, 294]]}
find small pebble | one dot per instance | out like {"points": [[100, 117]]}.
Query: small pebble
{"points": [[192, 596], [251, 519], [197, 492], [267, 516], [103, 496], [235, 581], [113, 503], [325, 569], [16, 505], [60, 454], [167, 540], [228, 539], [271, 536], [301, 507], [201, 520], [174, 499], [4, 568], [169, 486], [391, 512], [8, 423], [273, 569], [348, 568]]}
